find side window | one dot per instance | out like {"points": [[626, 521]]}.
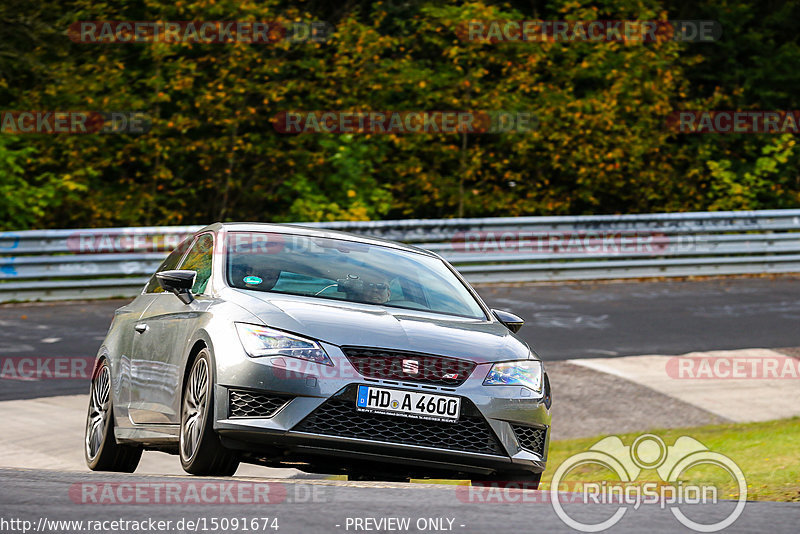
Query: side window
{"points": [[167, 265], [199, 259]]}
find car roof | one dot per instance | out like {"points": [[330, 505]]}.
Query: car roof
{"points": [[308, 231]]}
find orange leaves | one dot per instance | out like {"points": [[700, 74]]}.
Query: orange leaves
{"points": [[598, 108]]}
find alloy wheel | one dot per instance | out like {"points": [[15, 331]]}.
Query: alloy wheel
{"points": [[195, 403], [97, 419]]}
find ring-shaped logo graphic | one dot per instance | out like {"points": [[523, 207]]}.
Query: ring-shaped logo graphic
{"points": [[589, 457], [648, 452], [719, 460]]}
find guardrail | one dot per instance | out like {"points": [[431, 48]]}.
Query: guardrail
{"points": [[97, 263]]}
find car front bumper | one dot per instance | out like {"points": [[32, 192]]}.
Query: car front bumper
{"points": [[493, 433]]}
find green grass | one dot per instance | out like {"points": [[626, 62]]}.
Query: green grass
{"points": [[768, 454]]}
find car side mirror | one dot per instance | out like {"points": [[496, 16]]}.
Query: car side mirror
{"points": [[178, 282], [512, 322]]}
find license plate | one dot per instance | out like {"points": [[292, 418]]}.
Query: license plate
{"points": [[412, 404]]}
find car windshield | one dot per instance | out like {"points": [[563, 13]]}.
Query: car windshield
{"points": [[344, 270]]}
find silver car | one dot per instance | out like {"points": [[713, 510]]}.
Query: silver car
{"points": [[329, 352]]}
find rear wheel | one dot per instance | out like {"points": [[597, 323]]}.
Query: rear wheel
{"points": [[200, 449], [101, 450]]}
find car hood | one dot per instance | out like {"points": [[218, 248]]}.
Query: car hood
{"points": [[366, 325]]}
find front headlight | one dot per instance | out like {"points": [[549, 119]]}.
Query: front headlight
{"points": [[526, 373], [261, 341]]}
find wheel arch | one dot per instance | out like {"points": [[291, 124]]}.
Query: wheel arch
{"points": [[102, 354], [201, 340], [198, 345]]}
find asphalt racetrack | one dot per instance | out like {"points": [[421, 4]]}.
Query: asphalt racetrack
{"points": [[567, 321], [584, 322], [302, 506]]}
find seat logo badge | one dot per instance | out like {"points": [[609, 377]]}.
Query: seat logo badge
{"points": [[411, 367]]}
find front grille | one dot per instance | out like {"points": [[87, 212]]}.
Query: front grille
{"points": [[400, 365], [531, 438], [338, 417], [243, 403]]}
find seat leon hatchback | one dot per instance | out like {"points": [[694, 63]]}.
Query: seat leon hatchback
{"points": [[325, 351]]}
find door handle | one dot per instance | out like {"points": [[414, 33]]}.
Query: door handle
{"points": [[141, 328]]}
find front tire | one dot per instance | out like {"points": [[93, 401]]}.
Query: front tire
{"points": [[101, 450], [200, 449]]}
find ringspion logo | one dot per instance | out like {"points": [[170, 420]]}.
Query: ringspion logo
{"points": [[627, 462]]}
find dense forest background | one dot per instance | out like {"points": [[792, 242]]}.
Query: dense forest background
{"points": [[213, 154]]}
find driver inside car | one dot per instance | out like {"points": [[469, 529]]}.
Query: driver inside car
{"points": [[376, 291]]}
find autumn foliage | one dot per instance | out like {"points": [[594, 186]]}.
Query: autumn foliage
{"points": [[601, 142]]}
